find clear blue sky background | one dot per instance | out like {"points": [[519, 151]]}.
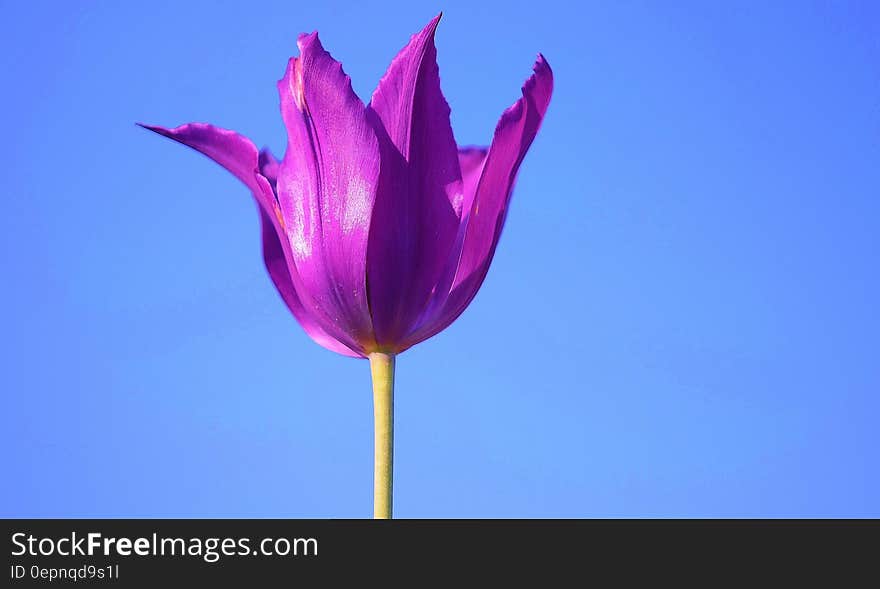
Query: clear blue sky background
{"points": [[682, 318]]}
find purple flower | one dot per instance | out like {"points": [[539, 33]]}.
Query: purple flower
{"points": [[378, 230]]}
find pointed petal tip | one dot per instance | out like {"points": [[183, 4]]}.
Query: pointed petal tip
{"points": [[306, 41], [426, 34], [181, 130], [431, 28], [170, 132], [153, 128], [538, 86], [310, 48], [541, 66]]}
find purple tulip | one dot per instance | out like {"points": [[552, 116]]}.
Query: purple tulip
{"points": [[378, 230]]}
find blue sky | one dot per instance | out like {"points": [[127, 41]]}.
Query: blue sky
{"points": [[681, 319]]}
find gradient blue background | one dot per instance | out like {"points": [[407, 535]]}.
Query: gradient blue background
{"points": [[681, 320]]}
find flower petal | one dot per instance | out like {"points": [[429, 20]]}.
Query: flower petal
{"points": [[258, 172], [484, 219], [414, 223], [326, 188], [231, 150], [513, 136], [471, 160], [275, 256]]}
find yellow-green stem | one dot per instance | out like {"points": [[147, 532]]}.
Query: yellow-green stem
{"points": [[382, 369]]}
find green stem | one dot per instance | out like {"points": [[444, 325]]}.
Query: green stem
{"points": [[382, 369]]}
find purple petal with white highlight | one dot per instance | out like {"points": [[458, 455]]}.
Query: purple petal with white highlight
{"points": [[327, 186]]}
